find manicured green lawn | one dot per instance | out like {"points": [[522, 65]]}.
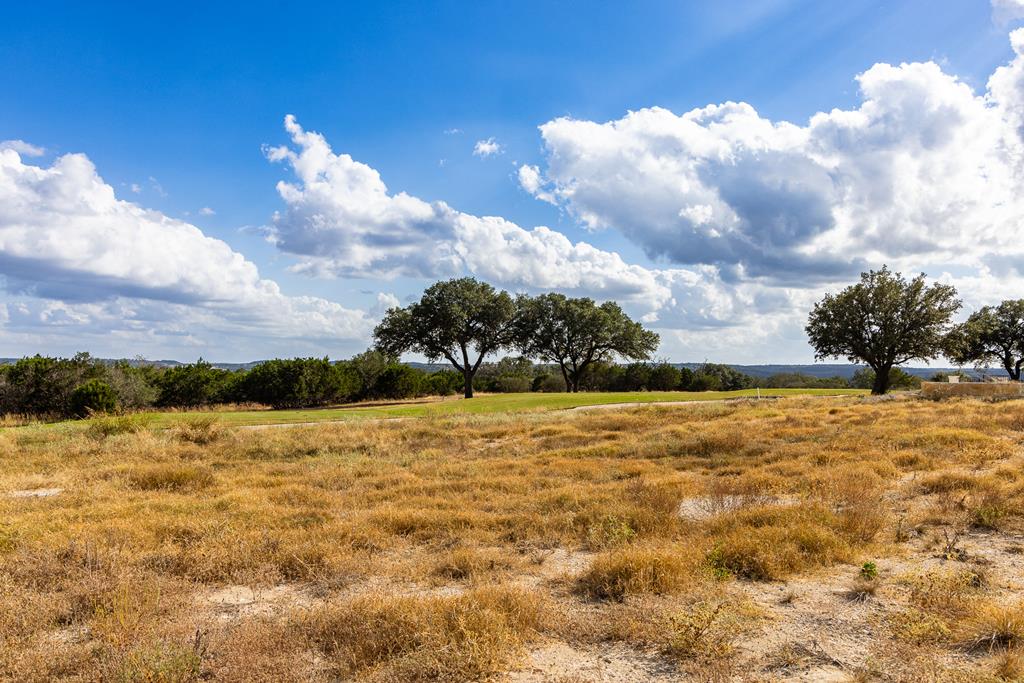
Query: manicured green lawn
{"points": [[493, 403]]}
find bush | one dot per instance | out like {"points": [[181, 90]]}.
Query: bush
{"points": [[94, 396], [444, 383], [549, 384], [297, 383], [192, 385], [636, 571], [718, 377], [664, 377], [400, 381], [898, 379]]}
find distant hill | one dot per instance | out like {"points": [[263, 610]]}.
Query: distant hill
{"points": [[137, 362], [844, 370]]}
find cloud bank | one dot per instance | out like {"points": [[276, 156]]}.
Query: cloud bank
{"points": [[74, 256], [744, 219]]}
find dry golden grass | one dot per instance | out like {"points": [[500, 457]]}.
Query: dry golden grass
{"points": [[447, 548]]}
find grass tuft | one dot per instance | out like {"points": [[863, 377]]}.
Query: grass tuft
{"points": [[632, 571]]}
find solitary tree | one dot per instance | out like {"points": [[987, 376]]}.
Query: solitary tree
{"points": [[883, 320], [451, 320], [991, 335], [576, 333]]}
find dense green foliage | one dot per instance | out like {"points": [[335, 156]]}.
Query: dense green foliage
{"points": [[898, 379], [299, 383], [883, 320], [576, 334], [79, 386], [992, 334], [455, 320], [94, 396]]}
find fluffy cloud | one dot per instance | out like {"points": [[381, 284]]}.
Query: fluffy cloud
{"points": [[73, 254], [341, 221], [923, 170], [486, 148], [530, 180], [754, 217]]}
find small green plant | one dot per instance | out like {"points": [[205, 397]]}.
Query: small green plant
{"points": [[869, 571], [716, 563], [609, 532]]}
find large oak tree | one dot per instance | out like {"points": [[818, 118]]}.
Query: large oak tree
{"points": [[992, 334], [883, 320], [454, 320], [576, 333]]}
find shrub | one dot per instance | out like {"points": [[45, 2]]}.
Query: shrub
{"points": [[411, 638], [445, 383], [635, 571], [94, 396], [548, 384], [400, 381], [192, 385], [297, 383]]}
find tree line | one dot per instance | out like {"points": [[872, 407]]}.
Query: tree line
{"points": [[884, 320], [83, 385]]}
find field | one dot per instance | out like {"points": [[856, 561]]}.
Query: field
{"points": [[804, 538], [486, 403]]}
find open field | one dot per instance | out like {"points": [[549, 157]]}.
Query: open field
{"points": [[797, 539], [482, 404]]}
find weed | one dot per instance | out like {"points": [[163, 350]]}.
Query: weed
{"points": [[699, 633]]}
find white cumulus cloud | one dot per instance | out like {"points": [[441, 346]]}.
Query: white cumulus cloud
{"points": [[486, 148], [924, 171], [342, 221], [72, 253]]}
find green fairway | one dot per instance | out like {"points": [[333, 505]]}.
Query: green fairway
{"points": [[492, 403]]}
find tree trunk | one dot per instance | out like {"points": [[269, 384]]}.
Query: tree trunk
{"points": [[881, 385], [565, 378], [468, 386]]}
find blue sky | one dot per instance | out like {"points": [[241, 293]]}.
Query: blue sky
{"points": [[176, 106]]}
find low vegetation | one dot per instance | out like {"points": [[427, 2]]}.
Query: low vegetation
{"points": [[797, 539]]}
